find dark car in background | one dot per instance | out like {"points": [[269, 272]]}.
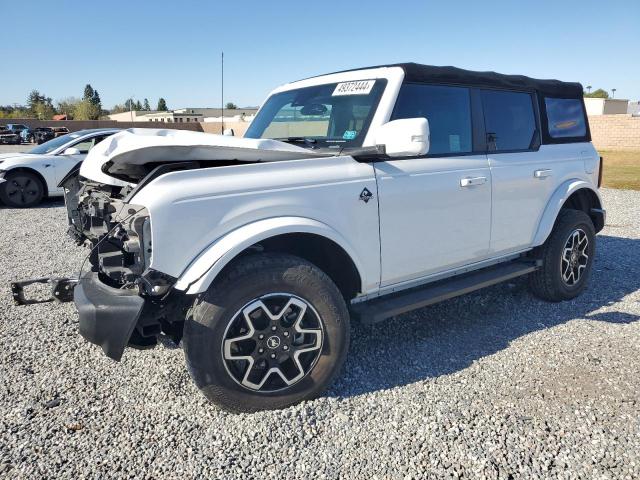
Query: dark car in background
{"points": [[42, 134], [17, 127], [9, 137], [59, 131]]}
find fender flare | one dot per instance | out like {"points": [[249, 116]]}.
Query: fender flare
{"points": [[555, 203], [209, 263]]}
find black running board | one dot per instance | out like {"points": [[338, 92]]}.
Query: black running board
{"points": [[381, 308]]}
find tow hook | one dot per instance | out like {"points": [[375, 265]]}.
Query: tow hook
{"points": [[61, 290]]}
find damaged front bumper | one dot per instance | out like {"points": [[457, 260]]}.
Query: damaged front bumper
{"points": [[107, 315], [121, 301]]}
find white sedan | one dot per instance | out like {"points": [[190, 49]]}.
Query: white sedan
{"points": [[26, 178]]}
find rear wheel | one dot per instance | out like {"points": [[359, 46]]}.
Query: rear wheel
{"points": [[21, 189], [567, 257], [272, 331]]}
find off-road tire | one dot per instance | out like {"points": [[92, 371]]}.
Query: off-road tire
{"points": [[246, 279], [32, 196], [547, 282]]}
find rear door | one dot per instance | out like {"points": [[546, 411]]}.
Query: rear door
{"points": [[523, 176], [435, 210]]}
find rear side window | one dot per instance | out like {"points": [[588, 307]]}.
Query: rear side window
{"points": [[509, 120], [448, 110], [565, 117]]}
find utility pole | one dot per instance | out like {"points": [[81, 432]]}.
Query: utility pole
{"points": [[222, 91]]}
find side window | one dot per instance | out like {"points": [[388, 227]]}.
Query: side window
{"points": [[565, 117], [448, 110], [84, 146], [509, 120]]}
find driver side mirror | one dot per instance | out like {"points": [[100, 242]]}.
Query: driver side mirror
{"points": [[71, 151], [406, 137]]}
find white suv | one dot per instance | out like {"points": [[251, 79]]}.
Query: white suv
{"points": [[364, 193]]}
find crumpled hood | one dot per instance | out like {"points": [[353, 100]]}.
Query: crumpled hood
{"points": [[143, 146]]}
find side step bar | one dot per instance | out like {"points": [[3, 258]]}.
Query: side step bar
{"points": [[394, 304]]}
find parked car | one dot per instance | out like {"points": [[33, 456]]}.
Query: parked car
{"points": [[26, 178], [42, 134], [8, 136], [59, 131], [362, 193], [17, 128]]}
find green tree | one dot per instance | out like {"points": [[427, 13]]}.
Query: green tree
{"points": [[162, 105], [599, 93], [230, 106], [119, 108], [95, 99], [67, 106], [86, 110], [88, 92], [137, 106], [146, 107]]}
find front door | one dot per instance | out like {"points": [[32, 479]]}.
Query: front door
{"points": [[435, 210]]}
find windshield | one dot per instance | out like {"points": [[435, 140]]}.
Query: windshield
{"points": [[334, 115], [51, 145]]}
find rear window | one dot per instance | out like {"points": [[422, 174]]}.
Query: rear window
{"points": [[509, 120], [565, 117]]}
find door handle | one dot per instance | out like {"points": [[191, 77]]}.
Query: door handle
{"points": [[542, 173], [469, 181]]}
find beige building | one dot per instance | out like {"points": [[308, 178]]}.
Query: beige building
{"points": [[186, 115], [605, 106]]}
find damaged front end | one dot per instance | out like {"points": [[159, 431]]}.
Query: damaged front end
{"points": [[120, 300]]}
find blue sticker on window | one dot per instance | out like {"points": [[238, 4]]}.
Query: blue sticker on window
{"points": [[349, 134]]}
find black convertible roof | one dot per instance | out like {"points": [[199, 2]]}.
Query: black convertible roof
{"points": [[415, 72]]}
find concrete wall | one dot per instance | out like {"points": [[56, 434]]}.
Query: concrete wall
{"points": [[615, 132]]}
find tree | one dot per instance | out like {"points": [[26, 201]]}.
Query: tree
{"points": [[119, 108], [40, 106], [86, 110], [95, 99], [599, 93], [230, 106], [162, 105], [88, 92], [137, 106], [146, 107], [67, 106]]}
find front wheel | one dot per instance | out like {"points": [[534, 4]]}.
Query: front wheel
{"points": [[272, 331], [21, 189], [567, 257]]}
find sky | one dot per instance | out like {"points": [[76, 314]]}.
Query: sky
{"points": [[172, 48]]}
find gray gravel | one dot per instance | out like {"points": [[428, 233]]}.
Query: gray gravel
{"points": [[495, 384]]}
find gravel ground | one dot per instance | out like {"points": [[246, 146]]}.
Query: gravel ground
{"points": [[495, 384]]}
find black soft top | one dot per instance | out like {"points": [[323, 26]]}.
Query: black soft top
{"points": [[417, 73]]}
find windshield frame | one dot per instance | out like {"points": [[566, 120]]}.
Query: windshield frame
{"points": [[314, 142]]}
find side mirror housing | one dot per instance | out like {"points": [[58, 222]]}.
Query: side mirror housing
{"points": [[406, 137], [228, 132], [71, 151]]}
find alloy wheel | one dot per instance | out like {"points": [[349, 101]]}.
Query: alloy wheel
{"points": [[574, 257], [273, 342]]}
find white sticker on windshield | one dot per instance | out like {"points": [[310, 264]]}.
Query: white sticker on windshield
{"points": [[360, 87]]}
